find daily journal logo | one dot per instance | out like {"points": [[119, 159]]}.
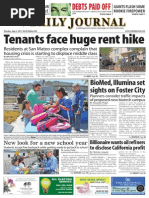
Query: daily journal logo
{"points": [[23, 13]]}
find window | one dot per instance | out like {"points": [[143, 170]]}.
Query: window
{"points": [[116, 58], [143, 56], [117, 50]]}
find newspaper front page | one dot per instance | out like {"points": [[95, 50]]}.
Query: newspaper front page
{"points": [[74, 101]]}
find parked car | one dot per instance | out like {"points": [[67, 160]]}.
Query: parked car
{"points": [[106, 63], [15, 106]]}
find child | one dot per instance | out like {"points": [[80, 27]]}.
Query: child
{"points": [[27, 111], [21, 162], [21, 165], [15, 168]]}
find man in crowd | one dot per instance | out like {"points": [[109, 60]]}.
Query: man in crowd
{"points": [[20, 99], [32, 95], [77, 104], [60, 9], [51, 165]]}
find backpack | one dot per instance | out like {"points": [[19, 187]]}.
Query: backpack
{"points": [[61, 118], [38, 118], [38, 108], [41, 126], [53, 110], [43, 115], [59, 126]]}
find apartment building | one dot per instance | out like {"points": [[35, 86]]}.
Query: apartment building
{"points": [[126, 54]]}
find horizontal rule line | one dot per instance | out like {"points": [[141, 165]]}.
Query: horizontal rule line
{"points": [[75, 32]]}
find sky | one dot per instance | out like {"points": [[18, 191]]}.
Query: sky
{"points": [[31, 81]]}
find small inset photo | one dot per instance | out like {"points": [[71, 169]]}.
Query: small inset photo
{"points": [[60, 9], [122, 59], [27, 161]]}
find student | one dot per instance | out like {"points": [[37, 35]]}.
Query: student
{"points": [[27, 111], [21, 164], [64, 103], [15, 168]]}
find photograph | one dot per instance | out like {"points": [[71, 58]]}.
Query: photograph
{"points": [[45, 106], [122, 59], [27, 161], [60, 9]]}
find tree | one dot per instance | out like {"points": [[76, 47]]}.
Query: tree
{"points": [[22, 88], [85, 81], [139, 50], [48, 83], [106, 50]]}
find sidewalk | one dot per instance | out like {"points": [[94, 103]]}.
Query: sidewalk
{"points": [[83, 128]]}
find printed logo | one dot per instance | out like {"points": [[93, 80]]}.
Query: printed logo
{"points": [[27, 184], [127, 179], [140, 188]]}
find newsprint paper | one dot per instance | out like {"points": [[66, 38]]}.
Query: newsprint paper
{"points": [[74, 99]]}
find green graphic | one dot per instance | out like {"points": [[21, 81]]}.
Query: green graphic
{"points": [[56, 185]]}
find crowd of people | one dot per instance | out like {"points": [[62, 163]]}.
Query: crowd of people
{"points": [[18, 165], [69, 109], [48, 164]]}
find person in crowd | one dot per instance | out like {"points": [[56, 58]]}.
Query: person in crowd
{"points": [[51, 165], [17, 155], [77, 104], [20, 99], [15, 169], [21, 164], [60, 9], [32, 95], [27, 111], [64, 103], [43, 160]]}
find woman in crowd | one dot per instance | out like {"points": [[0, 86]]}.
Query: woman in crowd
{"points": [[64, 102], [43, 160]]}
